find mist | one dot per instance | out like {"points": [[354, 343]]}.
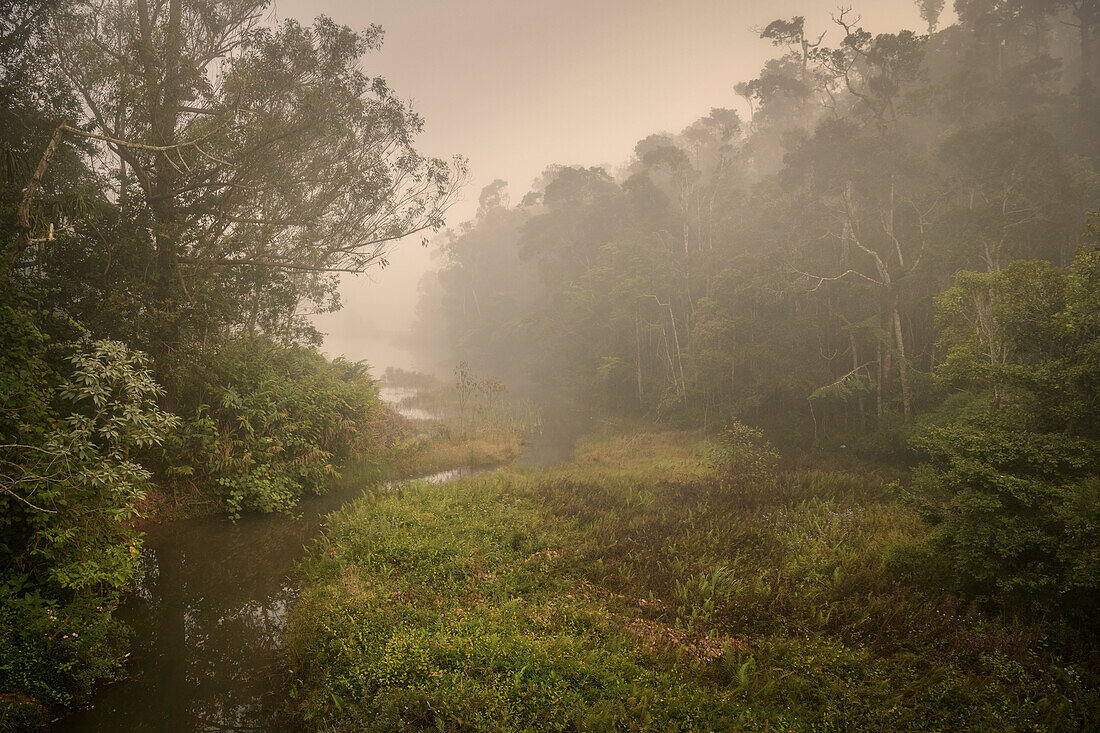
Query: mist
{"points": [[518, 366], [517, 86]]}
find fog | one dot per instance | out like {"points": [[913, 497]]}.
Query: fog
{"points": [[515, 86], [516, 365]]}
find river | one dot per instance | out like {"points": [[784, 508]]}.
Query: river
{"points": [[210, 613], [208, 621]]}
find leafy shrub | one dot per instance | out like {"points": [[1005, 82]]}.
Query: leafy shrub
{"points": [[1017, 514], [70, 496], [273, 422], [67, 544], [1010, 478], [53, 653], [741, 455]]}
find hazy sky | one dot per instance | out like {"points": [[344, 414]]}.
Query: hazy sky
{"points": [[515, 85]]}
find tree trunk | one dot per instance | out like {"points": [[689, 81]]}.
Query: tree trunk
{"points": [[23, 214], [903, 366], [855, 368], [679, 357], [162, 94], [881, 378]]}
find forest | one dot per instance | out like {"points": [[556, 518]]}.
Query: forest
{"points": [[826, 363]]}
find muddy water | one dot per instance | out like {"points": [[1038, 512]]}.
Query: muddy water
{"points": [[208, 623]]}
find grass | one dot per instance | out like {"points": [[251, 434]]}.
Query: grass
{"points": [[444, 451], [633, 589]]}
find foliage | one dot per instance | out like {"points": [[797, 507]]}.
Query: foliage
{"points": [[740, 455], [273, 423], [68, 547], [52, 654], [213, 231], [783, 271], [1011, 474], [1017, 513], [182, 179], [70, 499]]}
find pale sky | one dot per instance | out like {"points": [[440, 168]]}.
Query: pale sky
{"points": [[515, 85]]}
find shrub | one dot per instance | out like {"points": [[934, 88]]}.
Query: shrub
{"points": [[741, 456], [1010, 479], [1017, 514], [67, 544], [272, 423]]}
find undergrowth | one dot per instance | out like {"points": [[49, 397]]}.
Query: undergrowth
{"points": [[640, 588]]}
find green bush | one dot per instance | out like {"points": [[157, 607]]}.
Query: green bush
{"points": [[273, 423], [741, 456], [71, 494], [68, 548], [1010, 479], [1017, 514], [53, 653]]}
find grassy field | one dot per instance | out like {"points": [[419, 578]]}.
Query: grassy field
{"points": [[637, 588]]}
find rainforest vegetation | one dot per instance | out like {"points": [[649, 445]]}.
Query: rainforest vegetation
{"points": [[893, 259], [837, 351], [895, 255], [181, 182]]}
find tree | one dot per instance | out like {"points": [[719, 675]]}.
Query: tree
{"points": [[69, 496], [930, 11], [260, 159], [792, 33], [1012, 459]]}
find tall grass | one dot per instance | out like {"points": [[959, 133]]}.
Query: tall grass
{"points": [[637, 588]]}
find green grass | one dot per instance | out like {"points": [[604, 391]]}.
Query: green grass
{"points": [[629, 591]]}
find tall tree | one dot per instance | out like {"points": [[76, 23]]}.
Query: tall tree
{"points": [[260, 159]]}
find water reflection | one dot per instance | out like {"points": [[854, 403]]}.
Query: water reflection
{"points": [[398, 397], [208, 624]]}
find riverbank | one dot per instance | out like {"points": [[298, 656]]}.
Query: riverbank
{"points": [[232, 579], [640, 588], [209, 617], [401, 458]]}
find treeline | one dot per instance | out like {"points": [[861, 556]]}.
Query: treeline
{"points": [[181, 182], [784, 269], [887, 255]]}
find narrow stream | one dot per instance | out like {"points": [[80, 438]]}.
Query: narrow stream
{"points": [[208, 623], [210, 614]]}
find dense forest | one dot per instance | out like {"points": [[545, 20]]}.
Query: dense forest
{"points": [[885, 262], [798, 268], [896, 255]]}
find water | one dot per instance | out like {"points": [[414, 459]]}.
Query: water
{"points": [[396, 397], [208, 624], [210, 615]]}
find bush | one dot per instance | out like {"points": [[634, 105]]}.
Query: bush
{"points": [[68, 547], [272, 423], [740, 455], [53, 653], [70, 495], [1017, 514], [1010, 480]]}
